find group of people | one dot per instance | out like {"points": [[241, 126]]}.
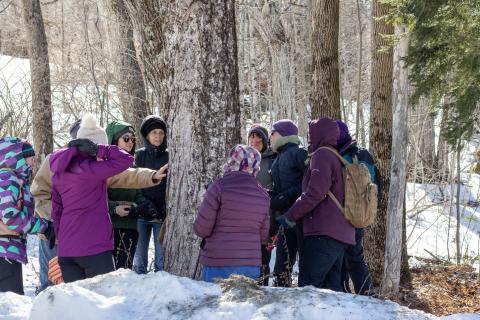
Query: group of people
{"points": [[98, 200], [274, 193]]}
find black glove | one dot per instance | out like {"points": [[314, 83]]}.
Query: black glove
{"points": [[84, 145], [146, 210], [279, 202], [133, 212], [50, 235]]}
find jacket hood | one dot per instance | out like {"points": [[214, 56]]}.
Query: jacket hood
{"points": [[323, 132], [115, 128], [11, 157], [146, 123], [60, 160]]}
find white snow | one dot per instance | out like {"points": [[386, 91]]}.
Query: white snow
{"points": [[431, 212], [126, 295]]}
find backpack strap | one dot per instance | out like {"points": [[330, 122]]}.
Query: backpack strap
{"points": [[335, 200], [344, 162]]}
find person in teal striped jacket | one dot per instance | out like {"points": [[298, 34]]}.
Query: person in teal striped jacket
{"points": [[17, 211]]}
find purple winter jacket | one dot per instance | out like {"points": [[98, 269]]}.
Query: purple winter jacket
{"points": [[233, 220], [319, 213], [79, 199]]}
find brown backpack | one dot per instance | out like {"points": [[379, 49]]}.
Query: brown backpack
{"points": [[360, 193]]}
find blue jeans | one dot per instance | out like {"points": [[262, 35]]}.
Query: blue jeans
{"points": [[209, 274], [45, 254], [140, 261]]}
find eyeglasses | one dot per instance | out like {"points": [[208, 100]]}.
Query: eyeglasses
{"points": [[126, 139]]}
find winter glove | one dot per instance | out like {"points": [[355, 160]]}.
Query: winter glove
{"points": [[50, 235], [146, 210], [84, 145], [285, 223], [279, 202]]}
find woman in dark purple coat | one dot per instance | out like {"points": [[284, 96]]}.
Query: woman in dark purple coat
{"points": [[233, 219]]}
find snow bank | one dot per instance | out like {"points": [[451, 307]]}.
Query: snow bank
{"points": [[126, 295], [14, 306]]}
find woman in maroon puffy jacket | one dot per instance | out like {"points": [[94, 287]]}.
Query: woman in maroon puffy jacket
{"points": [[233, 219]]}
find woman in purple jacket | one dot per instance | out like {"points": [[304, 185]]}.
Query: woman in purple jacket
{"points": [[79, 201], [233, 219]]}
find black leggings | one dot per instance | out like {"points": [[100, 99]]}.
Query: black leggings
{"points": [[79, 268], [11, 276]]}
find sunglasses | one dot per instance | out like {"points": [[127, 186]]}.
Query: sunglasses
{"points": [[126, 139]]}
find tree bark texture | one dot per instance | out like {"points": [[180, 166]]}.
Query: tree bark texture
{"points": [[147, 17], [380, 134], [40, 75], [325, 96], [393, 246], [197, 81], [131, 86]]}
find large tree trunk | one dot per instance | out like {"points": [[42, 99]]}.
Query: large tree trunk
{"points": [[380, 134], [131, 87], [393, 246], [196, 75], [40, 74], [325, 96]]}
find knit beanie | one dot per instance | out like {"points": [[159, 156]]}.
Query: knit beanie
{"points": [[74, 129], [262, 132], [117, 135], [285, 127], [89, 129], [27, 150], [243, 158], [151, 123]]}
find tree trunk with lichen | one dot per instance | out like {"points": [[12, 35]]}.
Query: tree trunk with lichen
{"points": [[40, 75]]}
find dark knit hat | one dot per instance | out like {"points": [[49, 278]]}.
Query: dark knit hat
{"points": [[74, 128], [285, 127], [261, 131], [151, 123], [27, 150]]}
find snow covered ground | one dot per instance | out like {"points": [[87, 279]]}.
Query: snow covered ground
{"points": [[431, 212], [126, 295]]}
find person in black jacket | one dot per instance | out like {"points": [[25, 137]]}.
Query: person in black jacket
{"points": [[287, 174], [258, 139], [354, 266], [153, 156]]}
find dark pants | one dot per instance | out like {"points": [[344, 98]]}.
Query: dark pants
{"points": [[288, 244], [11, 276], [321, 265], [79, 268], [355, 268], [125, 246], [265, 269]]}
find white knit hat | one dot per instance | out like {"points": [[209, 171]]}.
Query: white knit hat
{"points": [[89, 129]]}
